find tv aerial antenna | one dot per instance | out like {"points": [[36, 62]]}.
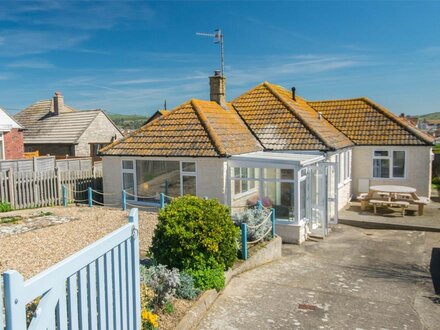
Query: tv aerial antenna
{"points": [[218, 39]]}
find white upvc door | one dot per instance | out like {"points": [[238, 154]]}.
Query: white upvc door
{"points": [[322, 196], [317, 196]]}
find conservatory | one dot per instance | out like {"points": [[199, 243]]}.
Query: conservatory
{"points": [[298, 186]]}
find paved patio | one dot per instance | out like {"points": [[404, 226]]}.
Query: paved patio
{"points": [[354, 279], [391, 219]]}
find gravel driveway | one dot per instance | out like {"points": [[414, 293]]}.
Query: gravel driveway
{"points": [[35, 250]]}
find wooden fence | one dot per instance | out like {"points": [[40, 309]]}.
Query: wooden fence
{"points": [[39, 189], [96, 288]]}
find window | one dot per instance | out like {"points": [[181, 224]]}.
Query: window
{"points": [[128, 178], [157, 176], [145, 180], [388, 164], [95, 147], [189, 181], [2, 153], [243, 179]]}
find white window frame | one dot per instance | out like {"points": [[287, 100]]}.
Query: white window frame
{"points": [[185, 173], [2, 146], [391, 162], [134, 171], [242, 193]]}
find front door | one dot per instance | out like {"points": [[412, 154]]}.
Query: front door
{"points": [[317, 197], [322, 198]]}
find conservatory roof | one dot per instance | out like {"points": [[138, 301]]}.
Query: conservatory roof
{"points": [[279, 158]]}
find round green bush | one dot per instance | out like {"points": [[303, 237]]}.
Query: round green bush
{"points": [[194, 233]]}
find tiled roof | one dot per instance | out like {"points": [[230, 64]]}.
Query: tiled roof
{"points": [[194, 129], [281, 123], [42, 126], [367, 123]]}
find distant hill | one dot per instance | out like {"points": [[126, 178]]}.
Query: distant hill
{"points": [[434, 115], [127, 122]]}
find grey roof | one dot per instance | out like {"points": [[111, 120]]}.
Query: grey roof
{"points": [[42, 126]]}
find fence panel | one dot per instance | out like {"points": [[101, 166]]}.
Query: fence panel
{"points": [[77, 292], [40, 189]]}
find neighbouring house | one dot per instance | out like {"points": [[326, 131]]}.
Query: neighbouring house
{"points": [[55, 128], [11, 137], [304, 159], [157, 114]]}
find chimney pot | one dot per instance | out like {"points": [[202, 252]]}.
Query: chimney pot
{"points": [[217, 86], [58, 103], [293, 93]]}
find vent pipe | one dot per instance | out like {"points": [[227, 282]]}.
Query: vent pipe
{"points": [[293, 93]]}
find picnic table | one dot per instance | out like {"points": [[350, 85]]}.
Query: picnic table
{"points": [[393, 195]]}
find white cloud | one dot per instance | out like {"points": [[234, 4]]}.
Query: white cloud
{"points": [[22, 42], [31, 64]]}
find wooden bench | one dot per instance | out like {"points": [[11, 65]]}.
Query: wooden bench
{"points": [[421, 202], [397, 204], [363, 198]]}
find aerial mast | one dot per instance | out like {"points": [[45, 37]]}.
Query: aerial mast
{"points": [[218, 39]]}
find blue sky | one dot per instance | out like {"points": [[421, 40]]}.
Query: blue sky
{"points": [[127, 57]]}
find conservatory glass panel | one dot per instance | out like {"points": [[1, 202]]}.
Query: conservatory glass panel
{"points": [[279, 195]]}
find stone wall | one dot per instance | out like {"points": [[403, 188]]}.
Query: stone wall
{"points": [[13, 144], [101, 130]]}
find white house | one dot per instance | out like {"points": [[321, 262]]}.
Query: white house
{"points": [[304, 159]]}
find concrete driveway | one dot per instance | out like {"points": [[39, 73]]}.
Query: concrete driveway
{"points": [[354, 279]]}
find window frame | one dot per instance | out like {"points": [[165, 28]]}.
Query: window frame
{"points": [[390, 158], [2, 140], [134, 172]]}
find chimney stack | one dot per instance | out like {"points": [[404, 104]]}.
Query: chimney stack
{"points": [[293, 93], [58, 103], [217, 86]]}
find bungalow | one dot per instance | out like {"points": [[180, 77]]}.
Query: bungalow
{"points": [[55, 128], [304, 159], [11, 137]]}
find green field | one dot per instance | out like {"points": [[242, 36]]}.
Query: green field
{"points": [[127, 121], [434, 115]]}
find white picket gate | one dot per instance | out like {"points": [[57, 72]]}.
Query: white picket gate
{"points": [[96, 288]]}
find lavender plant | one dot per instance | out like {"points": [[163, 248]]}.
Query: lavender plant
{"points": [[253, 218]]}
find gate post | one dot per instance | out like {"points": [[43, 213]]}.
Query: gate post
{"points": [[162, 200], [15, 306], [244, 247], [124, 200], [134, 219], [64, 195], [89, 196], [273, 218]]}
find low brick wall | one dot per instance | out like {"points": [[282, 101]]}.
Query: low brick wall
{"points": [[268, 253]]}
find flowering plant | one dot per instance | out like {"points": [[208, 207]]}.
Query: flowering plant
{"points": [[149, 320]]}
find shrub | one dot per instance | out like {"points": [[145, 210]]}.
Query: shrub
{"points": [[195, 233], [208, 278], [147, 296], [162, 280], [253, 218], [187, 289], [5, 207], [436, 180]]}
